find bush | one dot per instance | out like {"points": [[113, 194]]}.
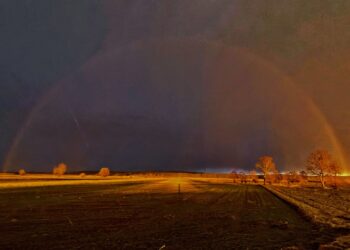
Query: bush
{"points": [[60, 169], [21, 172], [104, 172]]}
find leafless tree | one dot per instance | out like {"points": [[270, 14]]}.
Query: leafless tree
{"points": [[266, 165], [61, 169], [321, 163], [104, 172]]}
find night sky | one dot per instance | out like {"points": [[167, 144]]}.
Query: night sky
{"points": [[172, 85]]}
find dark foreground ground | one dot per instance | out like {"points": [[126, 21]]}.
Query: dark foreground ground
{"points": [[152, 215]]}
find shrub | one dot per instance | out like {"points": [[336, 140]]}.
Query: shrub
{"points": [[253, 176], [60, 169], [293, 177], [234, 176], [104, 172], [21, 172]]}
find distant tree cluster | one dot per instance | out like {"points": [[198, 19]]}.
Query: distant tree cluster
{"points": [[320, 163], [242, 177], [293, 177]]}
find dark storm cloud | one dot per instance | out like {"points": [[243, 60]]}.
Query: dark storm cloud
{"points": [[40, 42], [155, 84]]}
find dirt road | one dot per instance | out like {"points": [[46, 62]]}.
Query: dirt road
{"points": [[153, 215]]}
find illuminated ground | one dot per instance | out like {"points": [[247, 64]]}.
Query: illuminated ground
{"points": [[138, 213]]}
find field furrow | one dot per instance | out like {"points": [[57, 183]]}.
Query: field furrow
{"points": [[177, 213]]}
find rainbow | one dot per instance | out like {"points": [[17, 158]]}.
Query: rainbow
{"points": [[328, 129]]}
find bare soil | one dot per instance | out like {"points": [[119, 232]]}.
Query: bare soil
{"points": [[153, 215]]}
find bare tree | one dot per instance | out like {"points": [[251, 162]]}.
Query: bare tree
{"points": [[266, 165], [319, 163], [60, 169], [104, 172]]}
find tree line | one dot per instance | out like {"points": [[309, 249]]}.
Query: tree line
{"points": [[319, 163]]}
